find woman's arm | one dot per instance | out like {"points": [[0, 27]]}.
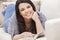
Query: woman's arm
{"points": [[39, 26]]}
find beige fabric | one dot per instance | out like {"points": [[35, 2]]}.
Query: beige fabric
{"points": [[1, 20], [1, 16]]}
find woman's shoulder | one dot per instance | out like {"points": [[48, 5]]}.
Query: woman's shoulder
{"points": [[41, 15]]}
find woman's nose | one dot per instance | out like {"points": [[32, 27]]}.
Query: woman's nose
{"points": [[26, 10]]}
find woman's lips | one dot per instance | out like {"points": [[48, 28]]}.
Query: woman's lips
{"points": [[28, 14]]}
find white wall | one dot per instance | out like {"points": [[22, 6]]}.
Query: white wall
{"points": [[51, 8]]}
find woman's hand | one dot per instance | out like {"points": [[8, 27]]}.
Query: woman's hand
{"points": [[23, 35], [27, 34], [35, 17]]}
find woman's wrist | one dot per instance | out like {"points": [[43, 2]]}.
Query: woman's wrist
{"points": [[35, 17], [37, 20]]}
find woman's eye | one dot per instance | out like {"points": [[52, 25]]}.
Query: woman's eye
{"points": [[28, 6], [22, 9]]}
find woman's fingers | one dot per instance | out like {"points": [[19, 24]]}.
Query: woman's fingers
{"points": [[35, 16], [23, 35], [27, 34]]}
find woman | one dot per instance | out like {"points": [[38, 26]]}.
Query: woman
{"points": [[27, 21]]}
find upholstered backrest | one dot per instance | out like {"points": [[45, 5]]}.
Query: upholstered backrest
{"points": [[52, 28]]}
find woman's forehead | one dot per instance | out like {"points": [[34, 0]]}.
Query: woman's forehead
{"points": [[24, 5]]}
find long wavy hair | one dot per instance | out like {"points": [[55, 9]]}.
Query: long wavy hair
{"points": [[20, 19]]}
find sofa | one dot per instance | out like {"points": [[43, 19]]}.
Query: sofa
{"points": [[52, 29], [51, 9], [4, 36]]}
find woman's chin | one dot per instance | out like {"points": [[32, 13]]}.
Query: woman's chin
{"points": [[29, 18]]}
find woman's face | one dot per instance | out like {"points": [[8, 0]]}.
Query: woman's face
{"points": [[26, 10]]}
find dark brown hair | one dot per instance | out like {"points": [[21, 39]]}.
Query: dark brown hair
{"points": [[20, 19]]}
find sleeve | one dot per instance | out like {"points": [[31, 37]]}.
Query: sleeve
{"points": [[12, 27], [42, 18]]}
